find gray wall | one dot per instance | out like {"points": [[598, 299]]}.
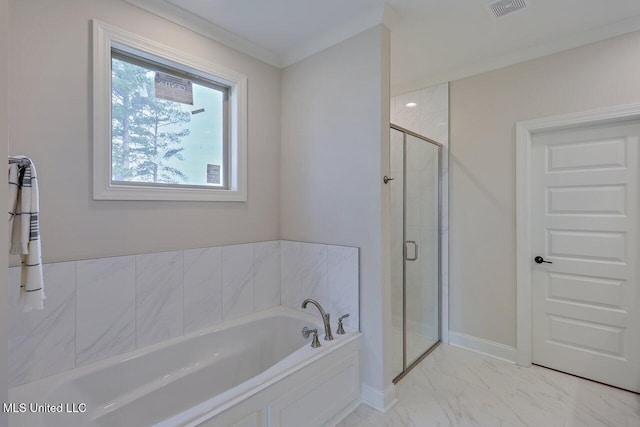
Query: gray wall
{"points": [[4, 22], [50, 79], [335, 123], [484, 110]]}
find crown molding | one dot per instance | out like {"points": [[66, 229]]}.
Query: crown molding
{"points": [[203, 27], [376, 15]]}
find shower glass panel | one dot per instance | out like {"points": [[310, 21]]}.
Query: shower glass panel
{"points": [[415, 247], [421, 247], [397, 254]]}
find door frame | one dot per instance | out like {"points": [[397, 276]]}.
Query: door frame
{"points": [[524, 133]]}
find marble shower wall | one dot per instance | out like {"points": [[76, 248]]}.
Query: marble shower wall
{"points": [[104, 307], [430, 116]]}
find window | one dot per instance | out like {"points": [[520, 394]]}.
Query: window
{"points": [[167, 126]]}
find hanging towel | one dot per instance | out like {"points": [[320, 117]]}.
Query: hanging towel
{"points": [[25, 232]]}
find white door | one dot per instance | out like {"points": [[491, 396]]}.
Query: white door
{"points": [[586, 301]]}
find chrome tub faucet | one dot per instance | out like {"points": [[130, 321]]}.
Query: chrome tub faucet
{"points": [[315, 343], [340, 330], [328, 336]]}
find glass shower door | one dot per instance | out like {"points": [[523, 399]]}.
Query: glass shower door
{"points": [[397, 255], [415, 247], [421, 247]]}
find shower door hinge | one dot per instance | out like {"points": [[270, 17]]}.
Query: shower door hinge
{"points": [[415, 250]]}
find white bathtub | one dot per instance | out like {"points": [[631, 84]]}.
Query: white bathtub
{"points": [[254, 371]]}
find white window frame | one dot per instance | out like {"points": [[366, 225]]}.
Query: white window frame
{"points": [[105, 37]]}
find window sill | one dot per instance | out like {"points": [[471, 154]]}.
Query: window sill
{"points": [[134, 192]]}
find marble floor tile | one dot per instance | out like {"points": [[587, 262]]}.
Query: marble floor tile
{"points": [[457, 387], [417, 345]]}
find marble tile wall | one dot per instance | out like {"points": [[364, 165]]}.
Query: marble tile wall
{"points": [[202, 299], [100, 308], [430, 115], [326, 273], [105, 307], [42, 343]]}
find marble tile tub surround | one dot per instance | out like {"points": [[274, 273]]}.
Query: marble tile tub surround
{"points": [[326, 273], [104, 307]]}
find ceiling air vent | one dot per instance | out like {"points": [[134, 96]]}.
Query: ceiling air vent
{"points": [[505, 7]]}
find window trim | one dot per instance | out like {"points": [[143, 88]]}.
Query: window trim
{"points": [[106, 37]]}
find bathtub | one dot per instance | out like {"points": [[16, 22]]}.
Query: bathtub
{"points": [[253, 371]]}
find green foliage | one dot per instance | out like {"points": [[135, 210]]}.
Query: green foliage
{"points": [[146, 132]]}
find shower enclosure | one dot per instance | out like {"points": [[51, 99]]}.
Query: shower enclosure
{"points": [[415, 247]]}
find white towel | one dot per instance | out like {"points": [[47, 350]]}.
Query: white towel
{"points": [[25, 233]]}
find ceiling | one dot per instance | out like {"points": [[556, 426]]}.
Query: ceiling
{"points": [[278, 25], [431, 40]]}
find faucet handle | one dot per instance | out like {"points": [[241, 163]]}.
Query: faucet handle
{"points": [[315, 342], [340, 330]]}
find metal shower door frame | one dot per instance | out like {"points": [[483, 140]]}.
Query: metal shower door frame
{"points": [[406, 369]]}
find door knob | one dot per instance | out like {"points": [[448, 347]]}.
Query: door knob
{"points": [[540, 260]]}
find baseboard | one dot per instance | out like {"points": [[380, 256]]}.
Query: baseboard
{"points": [[379, 400], [486, 347]]}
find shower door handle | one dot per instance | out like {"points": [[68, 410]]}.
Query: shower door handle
{"points": [[415, 250]]}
